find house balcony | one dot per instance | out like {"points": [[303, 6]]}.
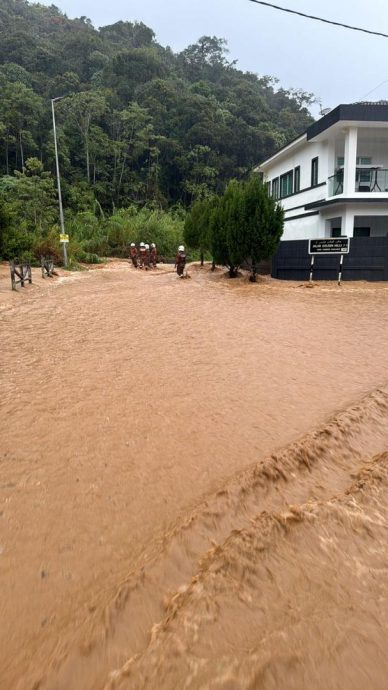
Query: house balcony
{"points": [[367, 180]]}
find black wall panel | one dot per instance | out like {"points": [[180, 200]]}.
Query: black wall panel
{"points": [[367, 260]]}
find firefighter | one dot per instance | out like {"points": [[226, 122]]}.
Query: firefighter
{"points": [[180, 261], [133, 254], [142, 252], [153, 255], [147, 257]]}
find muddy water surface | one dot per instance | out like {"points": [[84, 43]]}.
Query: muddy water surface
{"points": [[154, 434]]}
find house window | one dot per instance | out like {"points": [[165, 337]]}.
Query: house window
{"points": [[268, 188], [286, 184], [360, 160], [314, 172], [361, 232], [363, 180], [336, 232], [297, 179], [275, 188]]}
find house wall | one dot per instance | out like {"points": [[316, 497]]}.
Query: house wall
{"points": [[302, 156], [309, 225], [367, 214], [299, 229], [301, 222]]}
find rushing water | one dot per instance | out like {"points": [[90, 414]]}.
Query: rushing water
{"points": [[194, 485]]}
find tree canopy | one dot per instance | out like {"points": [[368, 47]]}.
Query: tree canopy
{"points": [[137, 124]]}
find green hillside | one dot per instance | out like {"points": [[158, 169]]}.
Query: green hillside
{"points": [[140, 124]]}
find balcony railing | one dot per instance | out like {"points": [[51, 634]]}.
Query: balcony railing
{"points": [[368, 179]]}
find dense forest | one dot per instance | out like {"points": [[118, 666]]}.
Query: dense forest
{"points": [[141, 129]]}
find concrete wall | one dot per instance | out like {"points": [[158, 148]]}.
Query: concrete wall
{"points": [[299, 229], [378, 224]]}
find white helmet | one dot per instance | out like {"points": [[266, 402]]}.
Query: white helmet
{"points": [[133, 244], [147, 246], [181, 248], [153, 245], [142, 244]]}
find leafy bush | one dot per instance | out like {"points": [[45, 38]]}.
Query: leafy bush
{"points": [[17, 244], [48, 246], [89, 258]]}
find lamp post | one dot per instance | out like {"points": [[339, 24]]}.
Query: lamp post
{"points": [[61, 218]]}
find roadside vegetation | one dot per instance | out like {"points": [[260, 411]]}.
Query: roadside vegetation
{"points": [[143, 133]]}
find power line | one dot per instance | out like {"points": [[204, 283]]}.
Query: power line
{"points": [[319, 19], [375, 89]]}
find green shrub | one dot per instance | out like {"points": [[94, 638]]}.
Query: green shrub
{"points": [[146, 225], [17, 244], [48, 246], [89, 258]]}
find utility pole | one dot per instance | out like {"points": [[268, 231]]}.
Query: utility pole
{"points": [[61, 217]]}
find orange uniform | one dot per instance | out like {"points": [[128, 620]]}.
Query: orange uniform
{"points": [[142, 253], [133, 256], [180, 263], [146, 259]]}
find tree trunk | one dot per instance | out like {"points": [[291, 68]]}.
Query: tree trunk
{"points": [[121, 176], [202, 259], [213, 265], [114, 167], [253, 276], [87, 160], [232, 272], [21, 150], [7, 154]]}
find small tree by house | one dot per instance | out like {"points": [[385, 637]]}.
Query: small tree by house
{"points": [[241, 228], [262, 224], [197, 227]]}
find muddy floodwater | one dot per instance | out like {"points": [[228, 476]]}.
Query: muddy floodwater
{"points": [[193, 483]]}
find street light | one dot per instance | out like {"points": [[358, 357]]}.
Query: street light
{"points": [[61, 218]]}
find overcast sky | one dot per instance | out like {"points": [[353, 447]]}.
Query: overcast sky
{"points": [[338, 65]]}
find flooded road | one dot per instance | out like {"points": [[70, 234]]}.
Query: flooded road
{"points": [[155, 433]]}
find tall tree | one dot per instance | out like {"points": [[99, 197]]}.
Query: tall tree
{"points": [[83, 109], [20, 111], [131, 131], [197, 232], [29, 197]]}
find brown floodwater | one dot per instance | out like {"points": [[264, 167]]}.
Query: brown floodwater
{"points": [[193, 483]]}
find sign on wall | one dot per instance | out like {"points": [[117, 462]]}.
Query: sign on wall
{"points": [[332, 245]]}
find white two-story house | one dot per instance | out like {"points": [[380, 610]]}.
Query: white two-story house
{"points": [[333, 179]]}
